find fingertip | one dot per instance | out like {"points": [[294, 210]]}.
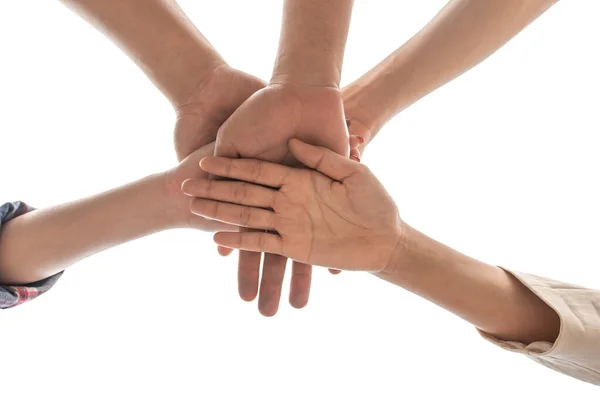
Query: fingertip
{"points": [[224, 251], [298, 302], [356, 141], [294, 142], [185, 187], [218, 239], [268, 313], [334, 271], [205, 162], [268, 308], [297, 143], [300, 150], [247, 297]]}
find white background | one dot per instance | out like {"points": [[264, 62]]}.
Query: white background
{"points": [[501, 164]]}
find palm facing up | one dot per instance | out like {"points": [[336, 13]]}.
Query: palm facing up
{"points": [[261, 128], [339, 216]]}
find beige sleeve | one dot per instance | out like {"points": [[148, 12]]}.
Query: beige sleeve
{"points": [[576, 351]]}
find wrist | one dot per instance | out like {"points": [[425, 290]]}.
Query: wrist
{"points": [[305, 79], [171, 207], [365, 102], [397, 262], [306, 69], [181, 88], [361, 120], [415, 256]]}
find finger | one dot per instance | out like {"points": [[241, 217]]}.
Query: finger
{"points": [[300, 284], [250, 241], [248, 217], [323, 160], [355, 141], [271, 283], [206, 225], [229, 191], [355, 155], [334, 271], [255, 171], [248, 274], [224, 251]]}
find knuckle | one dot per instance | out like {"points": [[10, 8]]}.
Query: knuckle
{"points": [[320, 160], [240, 193], [209, 188], [261, 242], [272, 221], [239, 240], [245, 216], [214, 214], [256, 171], [228, 167], [275, 199]]}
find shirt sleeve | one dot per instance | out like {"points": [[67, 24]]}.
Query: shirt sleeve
{"points": [[576, 351], [11, 296]]}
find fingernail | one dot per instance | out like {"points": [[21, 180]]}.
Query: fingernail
{"points": [[361, 139], [355, 158], [348, 123]]}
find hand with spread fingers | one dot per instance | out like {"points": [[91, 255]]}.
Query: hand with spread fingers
{"points": [[335, 214]]}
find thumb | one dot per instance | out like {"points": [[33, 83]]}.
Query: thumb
{"points": [[223, 146], [325, 161]]}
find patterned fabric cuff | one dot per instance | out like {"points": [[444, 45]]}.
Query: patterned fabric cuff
{"points": [[11, 296]]}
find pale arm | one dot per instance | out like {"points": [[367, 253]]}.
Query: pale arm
{"points": [[312, 42], [159, 38], [462, 34], [42, 243], [484, 295]]}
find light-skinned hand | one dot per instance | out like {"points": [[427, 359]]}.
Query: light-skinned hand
{"points": [[261, 128], [335, 214]]}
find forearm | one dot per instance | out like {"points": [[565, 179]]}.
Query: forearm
{"points": [[158, 37], [462, 34], [484, 295], [312, 42], [41, 243]]}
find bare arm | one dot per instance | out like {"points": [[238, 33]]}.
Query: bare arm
{"points": [[312, 42], [484, 295], [462, 34], [349, 221], [342, 217], [44, 242], [41, 243], [159, 38]]}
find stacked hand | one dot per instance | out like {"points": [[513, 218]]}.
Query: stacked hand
{"points": [[248, 119], [261, 129], [214, 100], [335, 214]]}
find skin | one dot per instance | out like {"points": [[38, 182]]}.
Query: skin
{"points": [[460, 36], [202, 88], [68, 233], [337, 214], [155, 203], [302, 100], [205, 91]]}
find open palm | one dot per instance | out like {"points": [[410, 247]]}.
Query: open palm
{"points": [[338, 215], [261, 128]]}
